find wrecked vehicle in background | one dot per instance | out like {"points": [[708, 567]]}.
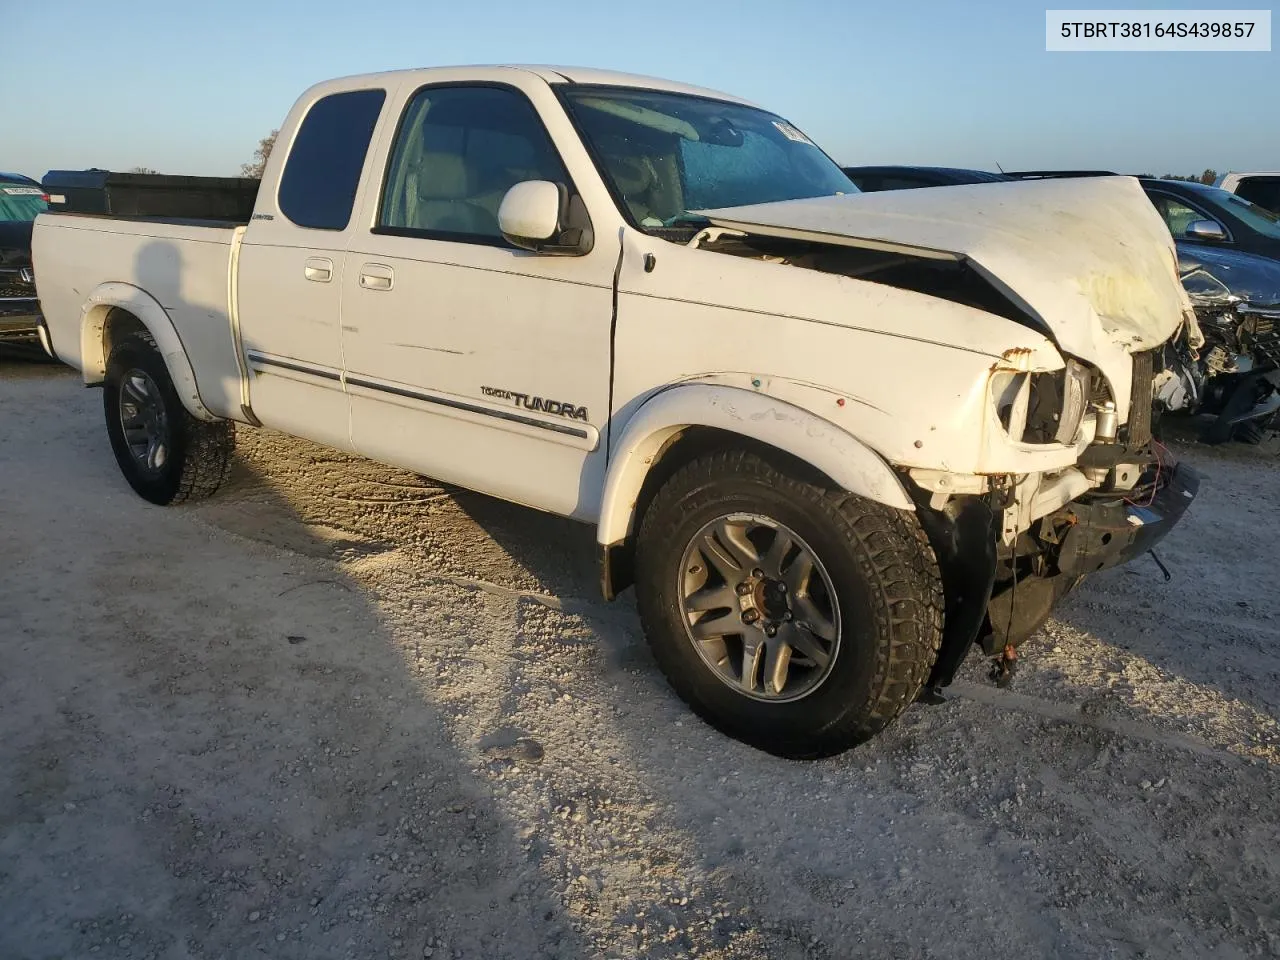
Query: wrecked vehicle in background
{"points": [[1233, 377]]}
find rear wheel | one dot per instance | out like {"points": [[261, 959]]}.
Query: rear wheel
{"points": [[165, 453], [796, 618]]}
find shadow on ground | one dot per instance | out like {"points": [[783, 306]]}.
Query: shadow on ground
{"points": [[210, 748], [455, 656]]}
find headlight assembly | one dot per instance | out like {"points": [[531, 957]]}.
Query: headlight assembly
{"points": [[1075, 400], [1043, 407]]}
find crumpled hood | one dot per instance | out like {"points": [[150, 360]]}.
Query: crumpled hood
{"points": [[1089, 258]]}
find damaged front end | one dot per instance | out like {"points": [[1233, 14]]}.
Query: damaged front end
{"points": [[1101, 529], [1029, 451], [1232, 380], [1010, 553]]}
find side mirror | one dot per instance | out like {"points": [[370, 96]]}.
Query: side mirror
{"points": [[1204, 230], [539, 215]]}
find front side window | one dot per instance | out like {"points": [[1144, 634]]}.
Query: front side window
{"points": [[1176, 214], [321, 176], [458, 152], [21, 202], [668, 155]]}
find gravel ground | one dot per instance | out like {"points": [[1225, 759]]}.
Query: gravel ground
{"points": [[339, 711]]}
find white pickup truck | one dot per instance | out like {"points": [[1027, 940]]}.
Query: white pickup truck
{"points": [[834, 439]]}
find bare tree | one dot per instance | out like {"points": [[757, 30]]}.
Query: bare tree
{"points": [[142, 170], [255, 167]]}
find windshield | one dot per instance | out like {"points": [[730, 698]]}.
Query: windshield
{"points": [[21, 202], [667, 154], [1254, 216]]}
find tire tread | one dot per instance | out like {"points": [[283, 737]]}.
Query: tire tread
{"points": [[895, 558], [207, 447]]}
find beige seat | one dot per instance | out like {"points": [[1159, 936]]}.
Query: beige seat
{"points": [[445, 198], [634, 179]]}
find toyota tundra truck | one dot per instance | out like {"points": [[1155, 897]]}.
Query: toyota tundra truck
{"points": [[833, 439]]}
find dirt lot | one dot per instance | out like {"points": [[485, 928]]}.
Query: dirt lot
{"points": [[339, 711]]}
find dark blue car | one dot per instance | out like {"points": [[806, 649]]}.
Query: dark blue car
{"points": [[21, 201]]}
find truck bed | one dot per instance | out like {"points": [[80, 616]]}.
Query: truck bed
{"points": [[182, 264], [149, 194], [149, 218]]}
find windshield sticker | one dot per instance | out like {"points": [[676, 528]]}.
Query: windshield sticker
{"points": [[791, 133], [24, 191]]}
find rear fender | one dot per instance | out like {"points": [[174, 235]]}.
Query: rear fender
{"points": [[149, 312], [755, 416]]}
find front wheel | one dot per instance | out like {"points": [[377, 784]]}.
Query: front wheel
{"points": [[798, 619], [165, 453]]}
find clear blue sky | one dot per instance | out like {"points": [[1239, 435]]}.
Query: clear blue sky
{"points": [[189, 86]]}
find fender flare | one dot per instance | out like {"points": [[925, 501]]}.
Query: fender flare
{"points": [[756, 416], [154, 317]]}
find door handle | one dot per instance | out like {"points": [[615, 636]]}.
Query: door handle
{"points": [[376, 276], [319, 269]]}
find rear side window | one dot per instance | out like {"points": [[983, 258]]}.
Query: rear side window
{"points": [[318, 186]]}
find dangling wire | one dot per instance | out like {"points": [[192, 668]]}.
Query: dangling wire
{"points": [[1156, 448]]}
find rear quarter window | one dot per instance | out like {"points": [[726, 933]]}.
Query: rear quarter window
{"points": [[321, 176]]}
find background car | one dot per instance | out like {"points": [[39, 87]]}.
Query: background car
{"points": [[21, 201], [1260, 188], [1201, 215]]}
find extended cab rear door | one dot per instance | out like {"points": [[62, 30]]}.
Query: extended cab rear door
{"points": [[292, 259], [467, 359]]}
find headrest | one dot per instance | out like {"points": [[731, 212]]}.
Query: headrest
{"points": [[444, 177], [631, 174]]}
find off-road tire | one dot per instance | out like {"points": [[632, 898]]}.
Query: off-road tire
{"points": [[199, 456], [884, 573]]}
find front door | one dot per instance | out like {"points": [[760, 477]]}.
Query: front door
{"points": [[467, 359]]}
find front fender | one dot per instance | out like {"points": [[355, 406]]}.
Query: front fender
{"points": [[135, 300], [756, 416]]}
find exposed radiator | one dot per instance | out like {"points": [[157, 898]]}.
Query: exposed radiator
{"points": [[1140, 398]]}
